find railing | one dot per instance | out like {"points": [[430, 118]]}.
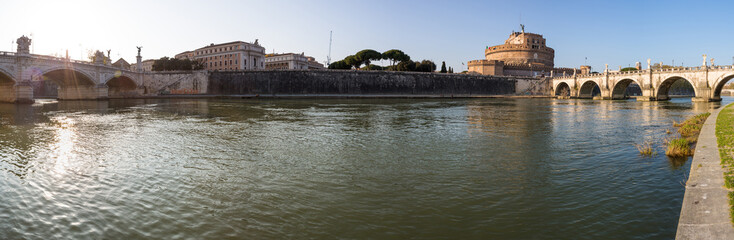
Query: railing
{"points": [[45, 57], [676, 69]]}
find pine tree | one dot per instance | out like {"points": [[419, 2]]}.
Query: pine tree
{"points": [[451, 70], [443, 67]]}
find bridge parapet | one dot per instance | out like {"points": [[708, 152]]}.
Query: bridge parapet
{"points": [[637, 72], [707, 82]]}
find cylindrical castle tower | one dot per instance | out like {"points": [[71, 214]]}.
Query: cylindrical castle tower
{"points": [[522, 48]]}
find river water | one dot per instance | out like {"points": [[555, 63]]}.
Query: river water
{"points": [[340, 168]]}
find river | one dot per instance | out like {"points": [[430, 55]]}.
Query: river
{"points": [[340, 168]]}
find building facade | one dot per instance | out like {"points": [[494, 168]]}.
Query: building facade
{"points": [[522, 54], [229, 56], [146, 65], [291, 61]]}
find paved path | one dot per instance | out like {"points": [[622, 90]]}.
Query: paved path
{"points": [[705, 211]]}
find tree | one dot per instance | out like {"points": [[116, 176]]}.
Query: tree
{"points": [[94, 55], [443, 67], [340, 65], [366, 56], [352, 60], [425, 66], [627, 69], [373, 67], [394, 56], [173, 64], [406, 66], [451, 70]]}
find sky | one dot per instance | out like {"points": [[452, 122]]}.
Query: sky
{"points": [[618, 33]]}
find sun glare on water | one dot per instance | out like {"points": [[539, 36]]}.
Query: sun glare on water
{"points": [[62, 148]]}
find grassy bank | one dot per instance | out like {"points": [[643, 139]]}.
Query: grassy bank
{"points": [[725, 140], [689, 129]]}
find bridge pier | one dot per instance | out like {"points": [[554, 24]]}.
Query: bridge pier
{"points": [[24, 93], [16, 93], [82, 92]]}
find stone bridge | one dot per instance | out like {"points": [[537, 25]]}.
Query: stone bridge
{"points": [[707, 82], [76, 79]]}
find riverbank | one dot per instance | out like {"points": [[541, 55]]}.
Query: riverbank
{"points": [[315, 96], [705, 209]]}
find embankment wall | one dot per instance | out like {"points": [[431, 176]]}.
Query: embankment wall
{"points": [[361, 83]]}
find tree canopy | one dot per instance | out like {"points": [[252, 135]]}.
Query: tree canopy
{"points": [[394, 56], [340, 65], [399, 61], [352, 60], [366, 56], [627, 69], [174, 64]]}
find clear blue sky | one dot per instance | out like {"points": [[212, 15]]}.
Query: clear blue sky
{"points": [[617, 33]]}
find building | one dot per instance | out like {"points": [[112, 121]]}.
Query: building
{"points": [[147, 65], [523, 54], [121, 64], [236, 55], [291, 61]]}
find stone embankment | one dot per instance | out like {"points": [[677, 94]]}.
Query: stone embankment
{"points": [[705, 210], [330, 83]]}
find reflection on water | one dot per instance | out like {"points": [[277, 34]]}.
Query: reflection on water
{"points": [[346, 168]]}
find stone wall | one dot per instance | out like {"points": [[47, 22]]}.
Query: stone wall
{"points": [[168, 83], [357, 83]]}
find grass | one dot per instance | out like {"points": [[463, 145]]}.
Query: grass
{"points": [[688, 130], [645, 148], [725, 141], [679, 147]]}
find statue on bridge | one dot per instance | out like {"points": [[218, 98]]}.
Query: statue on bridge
{"points": [[24, 44], [139, 50], [704, 60]]}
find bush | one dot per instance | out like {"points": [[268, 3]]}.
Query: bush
{"points": [[679, 147], [340, 65]]}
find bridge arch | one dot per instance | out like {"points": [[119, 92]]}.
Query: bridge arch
{"points": [[719, 86], [7, 83], [71, 83], [664, 87], [120, 86], [562, 89], [620, 88], [589, 89], [6, 78], [67, 77]]}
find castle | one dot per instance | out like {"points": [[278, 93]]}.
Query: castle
{"points": [[523, 54]]}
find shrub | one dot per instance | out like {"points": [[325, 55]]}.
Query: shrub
{"points": [[679, 147]]}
